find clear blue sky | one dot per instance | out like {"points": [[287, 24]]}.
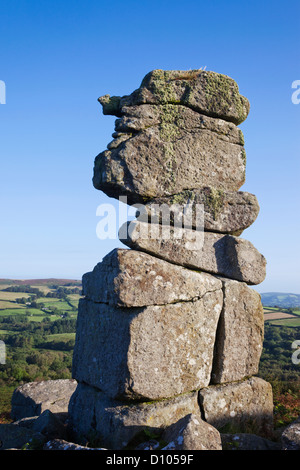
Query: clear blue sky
{"points": [[58, 57]]}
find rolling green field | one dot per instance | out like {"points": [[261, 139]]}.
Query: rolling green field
{"points": [[37, 325], [282, 316], [291, 322], [41, 306]]}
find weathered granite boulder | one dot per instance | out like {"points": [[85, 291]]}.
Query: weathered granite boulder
{"points": [[290, 438], [176, 149], [32, 398], [129, 278], [245, 405], [135, 119], [117, 423], [13, 436], [146, 353], [50, 425], [204, 91], [240, 334], [176, 132], [225, 255], [192, 433], [224, 211]]}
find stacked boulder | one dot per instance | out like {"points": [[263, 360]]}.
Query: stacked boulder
{"points": [[169, 331]]}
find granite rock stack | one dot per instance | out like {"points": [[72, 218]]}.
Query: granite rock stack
{"points": [[169, 330]]}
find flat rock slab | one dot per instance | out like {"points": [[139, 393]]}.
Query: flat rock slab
{"points": [[225, 255], [223, 211], [240, 334], [192, 433], [179, 150], [146, 353], [135, 119], [33, 398], [207, 92], [242, 406], [117, 423], [129, 278]]}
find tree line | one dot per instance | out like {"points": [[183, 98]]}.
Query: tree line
{"points": [[31, 355], [276, 365], [59, 293]]}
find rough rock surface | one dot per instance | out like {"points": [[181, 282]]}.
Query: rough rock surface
{"points": [[245, 441], [31, 433], [147, 353], [135, 119], [240, 334], [128, 278], [177, 131], [125, 424], [13, 436], [49, 425], [248, 403], [119, 423], [226, 255], [32, 398], [290, 438], [214, 94], [192, 433], [61, 444], [224, 211], [180, 150]]}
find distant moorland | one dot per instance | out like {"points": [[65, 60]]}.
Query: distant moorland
{"points": [[280, 299]]}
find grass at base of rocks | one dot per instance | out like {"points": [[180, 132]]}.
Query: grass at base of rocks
{"points": [[286, 408], [5, 403]]}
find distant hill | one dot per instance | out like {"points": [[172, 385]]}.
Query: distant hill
{"points": [[280, 299], [40, 282]]}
